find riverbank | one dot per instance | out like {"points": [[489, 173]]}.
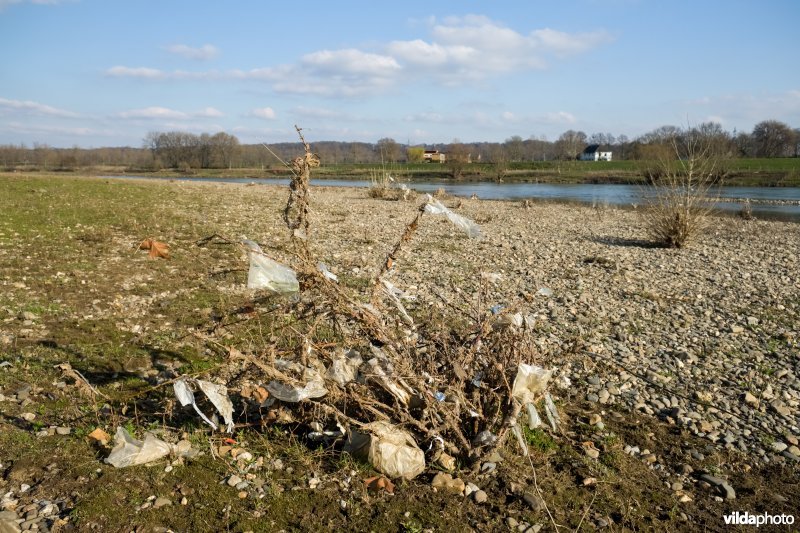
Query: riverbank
{"points": [[671, 365]]}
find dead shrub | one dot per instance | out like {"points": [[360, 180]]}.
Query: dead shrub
{"points": [[679, 199]]}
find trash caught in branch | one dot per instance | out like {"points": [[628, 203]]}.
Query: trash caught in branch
{"points": [[435, 207], [390, 450], [267, 274], [217, 395]]}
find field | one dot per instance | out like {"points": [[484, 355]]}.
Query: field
{"points": [[671, 365], [778, 172]]}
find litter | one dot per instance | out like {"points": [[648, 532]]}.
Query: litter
{"points": [[314, 388], [531, 382], [128, 451], [344, 368], [217, 395], [534, 420], [267, 274], [551, 412], [435, 207], [327, 273], [390, 450]]}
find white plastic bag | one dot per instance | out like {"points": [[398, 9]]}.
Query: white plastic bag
{"points": [[435, 207], [531, 381], [267, 274], [390, 450], [344, 368], [217, 395], [314, 388], [128, 451]]}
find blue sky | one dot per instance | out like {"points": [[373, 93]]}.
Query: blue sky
{"points": [[94, 73]]}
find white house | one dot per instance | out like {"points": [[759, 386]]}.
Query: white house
{"points": [[593, 153]]}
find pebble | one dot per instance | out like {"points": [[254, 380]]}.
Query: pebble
{"points": [[161, 502], [234, 480], [445, 482], [534, 501], [722, 486], [480, 496]]}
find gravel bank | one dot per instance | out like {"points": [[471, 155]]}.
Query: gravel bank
{"points": [[705, 337]]}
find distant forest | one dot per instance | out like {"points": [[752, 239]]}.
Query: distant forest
{"points": [[186, 151]]}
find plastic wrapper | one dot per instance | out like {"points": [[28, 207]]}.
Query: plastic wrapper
{"points": [[390, 450], [435, 207], [267, 274], [344, 368], [534, 420], [551, 412], [530, 383], [327, 273], [128, 451], [314, 388], [216, 394]]}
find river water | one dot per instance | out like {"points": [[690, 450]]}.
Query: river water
{"points": [[781, 203]]}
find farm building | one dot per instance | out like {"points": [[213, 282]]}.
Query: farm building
{"points": [[594, 152]]}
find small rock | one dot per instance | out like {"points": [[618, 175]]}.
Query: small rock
{"points": [[749, 399], [242, 495], [446, 482], [512, 522], [488, 467], [28, 417], [234, 480], [737, 329], [722, 486], [779, 446], [161, 502], [534, 501], [595, 419], [480, 496], [61, 430]]}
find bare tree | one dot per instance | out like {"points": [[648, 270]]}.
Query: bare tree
{"points": [[570, 144], [389, 150], [772, 138], [457, 158]]}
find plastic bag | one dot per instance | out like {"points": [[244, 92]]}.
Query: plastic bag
{"points": [[327, 273], [267, 274], [344, 368], [128, 451], [217, 395], [314, 388], [390, 450], [530, 382], [435, 207]]}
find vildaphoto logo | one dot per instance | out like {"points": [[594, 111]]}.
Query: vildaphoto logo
{"points": [[747, 519]]}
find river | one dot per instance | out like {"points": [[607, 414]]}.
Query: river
{"points": [[782, 203]]}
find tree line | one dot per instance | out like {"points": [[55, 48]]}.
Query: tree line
{"points": [[186, 151]]}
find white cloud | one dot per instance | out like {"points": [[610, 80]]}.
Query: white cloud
{"points": [[203, 53], [557, 117], [28, 106], [156, 112], [473, 48], [267, 113], [5, 3], [135, 72]]}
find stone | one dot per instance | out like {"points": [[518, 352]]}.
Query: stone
{"points": [[722, 486], [480, 497], [534, 501], [779, 446], [161, 502], [751, 400], [234, 480], [446, 483]]}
